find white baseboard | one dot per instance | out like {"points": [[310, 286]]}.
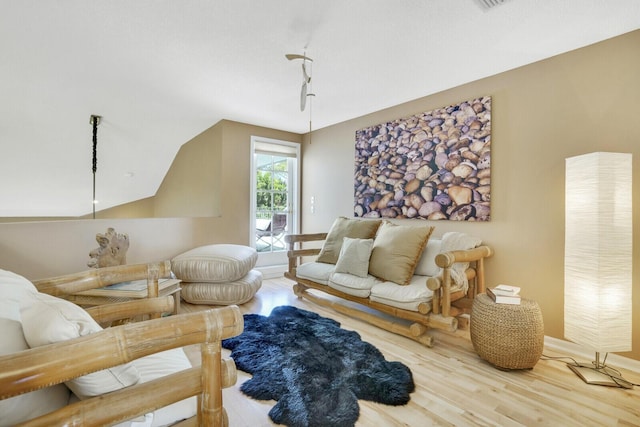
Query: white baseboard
{"points": [[573, 349], [272, 271]]}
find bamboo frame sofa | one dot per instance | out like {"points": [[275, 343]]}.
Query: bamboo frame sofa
{"points": [[41, 369], [434, 286]]}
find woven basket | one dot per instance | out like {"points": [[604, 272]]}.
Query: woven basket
{"points": [[507, 336]]}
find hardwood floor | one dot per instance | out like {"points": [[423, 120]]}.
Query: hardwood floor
{"points": [[454, 387]]}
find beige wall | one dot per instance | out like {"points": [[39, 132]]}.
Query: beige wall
{"points": [[139, 209], [191, 187], [575, 103], [49, 248]]}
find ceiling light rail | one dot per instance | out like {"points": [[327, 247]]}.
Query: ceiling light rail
{"points": [[488, 4]]}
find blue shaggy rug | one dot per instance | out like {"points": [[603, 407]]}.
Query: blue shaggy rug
{"points": [[314, 369]]}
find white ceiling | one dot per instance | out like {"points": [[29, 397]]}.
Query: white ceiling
{"points": [[162, 71]]}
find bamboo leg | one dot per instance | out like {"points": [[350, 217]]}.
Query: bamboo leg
{"points": [[446, 291], [152, 286], [480, 286], [299, 290], [396, 328], [435, 309], [211, 404]]}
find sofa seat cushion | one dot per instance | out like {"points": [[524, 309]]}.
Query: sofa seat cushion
{"points": [[214, 263], [352, 285], [162, 364], [235, 292], [318, 272], [407, 297]]}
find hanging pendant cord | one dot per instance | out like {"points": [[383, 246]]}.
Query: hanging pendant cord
{"points": [[94, 121]]}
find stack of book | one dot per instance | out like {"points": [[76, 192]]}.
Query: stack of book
{"points": [[504, 294]]}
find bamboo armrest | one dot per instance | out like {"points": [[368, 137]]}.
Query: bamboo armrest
{"points": [[59, 362], [295, 238], [436, 282], [123, 310], [295, 252], [447, 259], [99, 277], [303, 252], [117, 407], [441, 285]]}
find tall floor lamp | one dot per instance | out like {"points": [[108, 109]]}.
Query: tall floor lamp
{"points": [[598, 260]]}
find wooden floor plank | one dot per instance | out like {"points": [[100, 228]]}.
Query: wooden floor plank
{"points": [[454, 387]]}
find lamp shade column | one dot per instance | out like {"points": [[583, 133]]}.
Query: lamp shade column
{"points": [[598, 251]]}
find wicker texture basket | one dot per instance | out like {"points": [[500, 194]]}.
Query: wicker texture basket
{"points": [[507, 336]]}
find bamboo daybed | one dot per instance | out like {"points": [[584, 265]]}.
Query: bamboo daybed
{"points": [[443, 311], [56, 363]]}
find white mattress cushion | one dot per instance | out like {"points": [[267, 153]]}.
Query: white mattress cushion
{"points": [[214, 263], [162, 364], [427, 263], [318, 272], [352, 285], [407, 297], [236, 292]]}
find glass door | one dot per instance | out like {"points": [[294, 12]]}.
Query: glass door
{"points": [[274, 198]]}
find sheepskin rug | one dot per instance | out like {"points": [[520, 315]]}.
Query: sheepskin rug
{"points": [[315, 370]]}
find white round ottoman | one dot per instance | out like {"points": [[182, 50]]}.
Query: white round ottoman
{"points": [[218, 274]]}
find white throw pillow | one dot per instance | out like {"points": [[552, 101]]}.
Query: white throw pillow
{"points": [[48, 320], [354, 256], [427, 264]]}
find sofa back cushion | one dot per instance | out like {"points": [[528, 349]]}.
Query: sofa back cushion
{"points": [[345, 227], [396, 251]]}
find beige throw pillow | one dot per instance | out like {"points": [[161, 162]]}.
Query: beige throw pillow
{"points": [[345, 227], [354, 257], [396, 251]]}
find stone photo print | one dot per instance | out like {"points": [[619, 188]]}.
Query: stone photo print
{"points": [[433, 165]]}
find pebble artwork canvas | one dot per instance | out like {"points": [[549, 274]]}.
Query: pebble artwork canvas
{"points": [[434, 165]]}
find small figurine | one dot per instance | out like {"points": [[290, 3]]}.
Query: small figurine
{"points": [[112, 251]]}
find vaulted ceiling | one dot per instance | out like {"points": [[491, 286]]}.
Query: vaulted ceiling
{"points": [[160, 72]]}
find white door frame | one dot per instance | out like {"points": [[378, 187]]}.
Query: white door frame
{"points": [[275, 263]]}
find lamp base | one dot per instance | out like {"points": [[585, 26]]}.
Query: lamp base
{"points": [[600, 376]]}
